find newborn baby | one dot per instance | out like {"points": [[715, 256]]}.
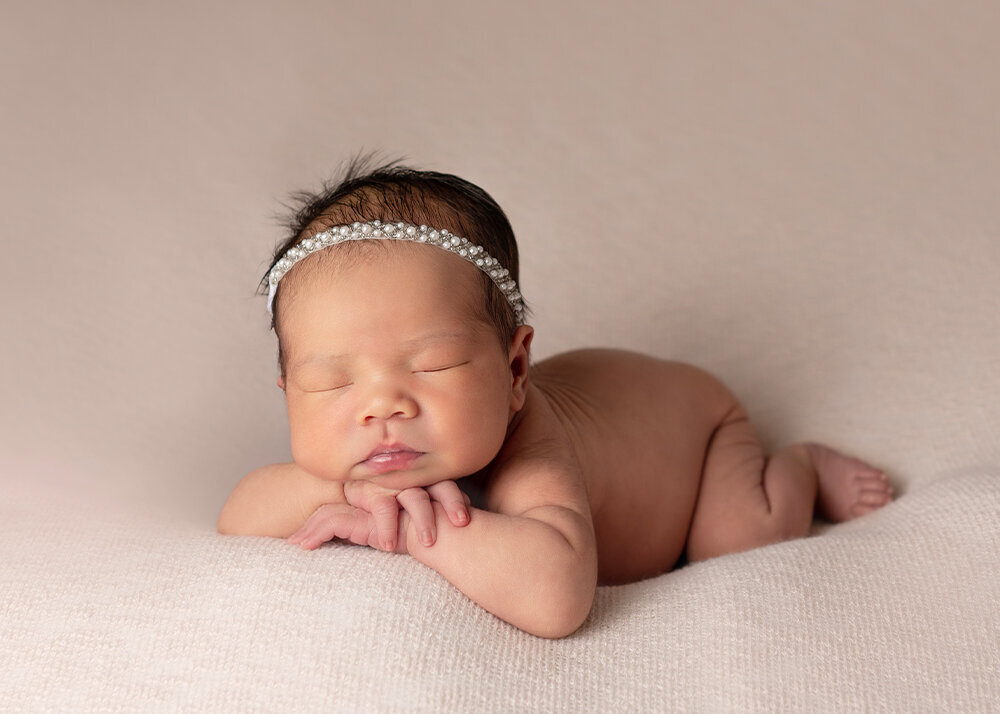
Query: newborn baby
{"points": [[419, 424]]}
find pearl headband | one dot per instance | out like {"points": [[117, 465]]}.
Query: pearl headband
{"points": [[376, 230]]}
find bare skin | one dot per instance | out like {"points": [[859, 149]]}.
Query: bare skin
{"points": [[670, 461], [595, 465]]}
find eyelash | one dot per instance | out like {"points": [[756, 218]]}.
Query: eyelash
{"points": [[442, 369], [416, 371], [329, 389]]}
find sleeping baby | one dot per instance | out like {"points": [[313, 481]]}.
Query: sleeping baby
{"points": [[420, 425]]}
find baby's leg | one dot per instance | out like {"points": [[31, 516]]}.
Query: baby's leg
{"points": [[747, 500]]}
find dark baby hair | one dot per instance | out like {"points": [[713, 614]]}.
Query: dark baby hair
{"points": [[392, 192]]}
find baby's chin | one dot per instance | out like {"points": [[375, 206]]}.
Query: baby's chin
{"points": [[403, 470], [406, 478]]}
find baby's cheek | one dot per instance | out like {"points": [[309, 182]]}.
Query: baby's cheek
{"points": [[304, 454], [480, 437], [314, 451]]}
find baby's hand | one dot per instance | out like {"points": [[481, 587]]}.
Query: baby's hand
{"points": [[371, 515], [383, 504], [336, 520]]}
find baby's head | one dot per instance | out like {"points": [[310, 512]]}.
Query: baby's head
{"points": [[392, 193], [399, 361]]}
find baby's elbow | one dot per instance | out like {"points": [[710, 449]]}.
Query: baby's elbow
{"points": [[237, 518], [564, 602], [561, 621], [227, 524], [247, 510], [560, 616]]}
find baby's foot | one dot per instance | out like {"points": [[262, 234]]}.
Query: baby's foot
{"points": [[848, 487]]}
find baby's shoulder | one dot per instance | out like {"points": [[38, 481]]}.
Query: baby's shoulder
{"points": [[538, 456]]}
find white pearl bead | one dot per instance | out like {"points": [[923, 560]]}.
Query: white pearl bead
{"points": [[402, 231]]}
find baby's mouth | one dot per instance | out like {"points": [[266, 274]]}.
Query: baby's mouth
{"points": [[391, 457]]}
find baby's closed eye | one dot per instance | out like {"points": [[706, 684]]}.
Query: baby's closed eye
{"points": [[329, 389], [326, 383], [437, 367]]}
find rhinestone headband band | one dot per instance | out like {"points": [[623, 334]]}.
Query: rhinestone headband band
{"points": [[376, 230]]}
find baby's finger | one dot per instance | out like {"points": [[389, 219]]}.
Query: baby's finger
{"points": [[418, 504], [385, 511], [329, 521], [309, 536], [455, 502], [361, 493]]}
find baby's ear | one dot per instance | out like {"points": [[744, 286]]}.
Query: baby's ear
{"points": [[519, 357]]}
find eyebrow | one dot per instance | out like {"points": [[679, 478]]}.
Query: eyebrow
{"points": [[430, 337]]}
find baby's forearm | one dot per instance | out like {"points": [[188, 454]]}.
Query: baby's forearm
{"points": [[275, 500], [539, 576]]}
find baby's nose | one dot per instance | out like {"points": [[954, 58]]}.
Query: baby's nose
{"points": [[386, 404]]}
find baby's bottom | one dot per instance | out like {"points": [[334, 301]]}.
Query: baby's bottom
{"points": [[747, 499]]}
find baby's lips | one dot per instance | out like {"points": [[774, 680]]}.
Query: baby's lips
{"points": [[390, 448], [383, 463]]}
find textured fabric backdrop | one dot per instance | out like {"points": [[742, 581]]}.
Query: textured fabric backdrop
{"points": [[800, 199]]}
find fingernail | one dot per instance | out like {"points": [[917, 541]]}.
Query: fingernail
{"points": [[462, 516], [426, 537], [389, 545]]}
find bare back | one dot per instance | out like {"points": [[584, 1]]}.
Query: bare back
{"points": [[638, 429]]}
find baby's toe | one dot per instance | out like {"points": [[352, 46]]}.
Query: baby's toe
{"points": [[860, 509], [869, 500], [872, 497], [872, 480], [870, 474]]}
